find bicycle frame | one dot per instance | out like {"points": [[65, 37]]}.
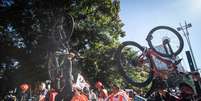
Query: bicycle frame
{"points": [[151, 54], [148, 61], [60, 59]]}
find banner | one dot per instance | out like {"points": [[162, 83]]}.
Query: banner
{"points": [[81, 82]]}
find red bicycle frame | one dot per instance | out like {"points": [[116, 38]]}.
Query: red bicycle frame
{"points": [[151, 54]]}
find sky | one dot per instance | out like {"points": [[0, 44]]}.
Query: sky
{"points": [[140, 16]]}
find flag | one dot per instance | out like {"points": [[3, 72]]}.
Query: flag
{"points": [[81, 82]]}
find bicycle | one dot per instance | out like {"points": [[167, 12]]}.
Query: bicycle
{"points": [[60, 60], [137, 64]]}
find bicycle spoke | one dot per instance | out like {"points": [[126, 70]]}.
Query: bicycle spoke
{"points": [[166, 41], [135, 66]]}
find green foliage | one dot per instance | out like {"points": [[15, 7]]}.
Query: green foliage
{"points": [[96, 36], [98, 28]]}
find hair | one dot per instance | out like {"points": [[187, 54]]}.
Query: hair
{"points": [[86, 90], [116, 86], [184, 84]]}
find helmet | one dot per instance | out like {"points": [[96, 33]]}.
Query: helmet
{"points": [[24, 87], [99, 85]]}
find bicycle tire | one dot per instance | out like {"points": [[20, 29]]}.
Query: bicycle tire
{"points": [[179, 37], [124, 73], [64, 27], [72, 25]]}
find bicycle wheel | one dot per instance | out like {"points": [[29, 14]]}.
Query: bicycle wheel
{"points": [[171, 43], [64, 27], [134, 66]]}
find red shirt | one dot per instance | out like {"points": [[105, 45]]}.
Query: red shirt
{"points": [[53, 94]]}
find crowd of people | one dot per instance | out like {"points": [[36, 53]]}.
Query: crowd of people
{"points": [[44, 92], [116, 94]]}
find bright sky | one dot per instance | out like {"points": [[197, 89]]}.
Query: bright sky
{"points": [[140, 16]]}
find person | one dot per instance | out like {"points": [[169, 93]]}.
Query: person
{"points": [[187, 92], [23, 95], [42, 92], [86, 91], [196, 76], [161, 93], [53, 93], [102, 91], [117, 94], [164, 95], [131, 93], [197, 81], [78, 94], [68, 77], [92, 96]]}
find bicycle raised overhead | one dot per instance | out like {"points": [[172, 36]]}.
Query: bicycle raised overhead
{"points": [[60, 59], [139, 65]]}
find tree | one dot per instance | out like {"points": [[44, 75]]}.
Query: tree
{"points": [[26, 38], [96, 37]]}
